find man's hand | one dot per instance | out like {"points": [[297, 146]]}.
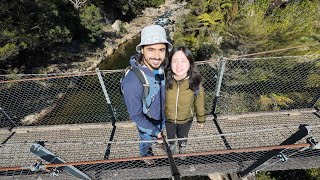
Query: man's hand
{"points": [[159, 136]]}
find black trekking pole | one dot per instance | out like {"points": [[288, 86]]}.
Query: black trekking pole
{"points": [[173, 167]]}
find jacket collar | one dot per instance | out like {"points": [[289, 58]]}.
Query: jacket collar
{"points": [[181, 79]]}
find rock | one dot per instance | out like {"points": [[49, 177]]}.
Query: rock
{"points": [[116, 25], [36, 117], [151, 12], [216, 176]]}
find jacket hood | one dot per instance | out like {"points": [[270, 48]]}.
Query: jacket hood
{"points": [[133, 61]]}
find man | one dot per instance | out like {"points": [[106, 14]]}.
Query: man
{"points": [[148, 114]]}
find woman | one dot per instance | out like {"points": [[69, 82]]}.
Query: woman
{"points": [[184, 96]]}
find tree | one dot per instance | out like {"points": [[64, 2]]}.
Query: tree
{"points": [[78, 3], [310, 174], [257, 29], [246, 27], [91, 19], [202, 29], [29, 25], [135, 7]]}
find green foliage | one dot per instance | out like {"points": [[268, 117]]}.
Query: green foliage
{"points": [[248, 31], [207, 21], [8, 50], [257, 74], [226, 5], [261, 74], [309, 174], [276, 84], [252, 27], [264, 103], [313, 174], [255, 31], [205, 52], [198, 7], [91, 19], [122, 28], [31, 25], [292, 24], [313, 80], [313, 77], [14, 75], [280, 100], [191, 41], [179, 39], [234, 103], [155, 3], [264, 176], [317, 104], [59, 34], [135, 7], [210, 19]]}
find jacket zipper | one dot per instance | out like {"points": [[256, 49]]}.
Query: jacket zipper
{"points": [[177, 99]]}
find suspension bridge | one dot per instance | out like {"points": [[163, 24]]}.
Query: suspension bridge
{"points": [[262, 115]]}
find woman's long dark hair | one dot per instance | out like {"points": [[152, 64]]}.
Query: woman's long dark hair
{"points": [[194, 76]]}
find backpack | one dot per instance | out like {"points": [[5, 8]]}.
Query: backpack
{"points": [[144, 81]]}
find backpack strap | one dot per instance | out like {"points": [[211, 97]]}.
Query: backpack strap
{"points": [[196, 91], [143, 79]]}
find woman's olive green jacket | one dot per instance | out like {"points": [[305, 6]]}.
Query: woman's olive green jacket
{"points": [[182, 104]]}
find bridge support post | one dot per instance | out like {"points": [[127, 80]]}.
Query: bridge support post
{"points": [[7, 117], [113, 116], [221, 68], [106, 96]]}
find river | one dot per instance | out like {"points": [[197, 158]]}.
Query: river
{"points": [[120, 58]]}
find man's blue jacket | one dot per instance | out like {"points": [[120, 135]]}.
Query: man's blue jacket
{"points": [[133, 97]]}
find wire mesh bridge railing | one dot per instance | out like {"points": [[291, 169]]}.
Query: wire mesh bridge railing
{"points": [[258, 103]]}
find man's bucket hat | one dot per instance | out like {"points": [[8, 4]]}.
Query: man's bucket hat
{"points": [[153, 34]]}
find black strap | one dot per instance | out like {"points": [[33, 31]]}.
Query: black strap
{"points": [[145, 85], [142, 80]]}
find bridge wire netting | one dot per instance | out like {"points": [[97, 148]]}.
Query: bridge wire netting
{"points": [[248, 85], [269, 84], [204, 155], [69, 113]]}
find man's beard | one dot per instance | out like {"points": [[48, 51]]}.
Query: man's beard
{"points": [[150, 65]]}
